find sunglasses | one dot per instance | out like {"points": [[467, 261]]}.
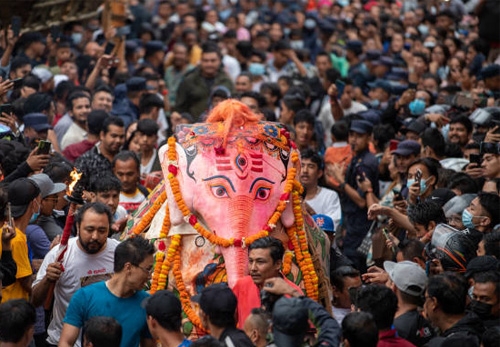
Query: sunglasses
{"points": [[490, 147]]}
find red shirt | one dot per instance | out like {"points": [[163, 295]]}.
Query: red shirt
{"points": [[77, 149], [248, 295], [389, 338]]}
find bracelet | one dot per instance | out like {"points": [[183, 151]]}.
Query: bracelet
{"points": [[369, 191], [342, 186]]}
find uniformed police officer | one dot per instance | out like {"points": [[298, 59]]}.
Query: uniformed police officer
{"points": [[353, 200]]}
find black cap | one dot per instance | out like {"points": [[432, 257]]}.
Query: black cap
{"points": [[361, 127], [373, 54], [217, 298], [21, 192], [380, 83], [290, 322], [355, 46], [154, 46], [136, 84], [415, 126], [482, 264], [441, 196], [490, 71], [37, 121], [163, 306]]}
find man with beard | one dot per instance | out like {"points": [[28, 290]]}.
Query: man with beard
{"points": [[460, 131], [88, 259], [111, 138]]}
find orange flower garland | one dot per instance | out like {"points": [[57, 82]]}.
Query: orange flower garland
{"points": [[183, 293], [175, 243], [287, 263], [160, 256], [148, 217]]}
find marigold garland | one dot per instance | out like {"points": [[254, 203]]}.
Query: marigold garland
{"points": [[287, 263], [160, 256], [148, 217], [183, 293]]}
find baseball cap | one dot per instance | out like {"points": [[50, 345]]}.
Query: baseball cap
{"points": [[47, 187], [136, 84], [407, 147], [441, 196], [490, 71], [416, 127], [383, 84], [361, 126], [216, 298], [21, 192], [407, 276], [324, 222], [163, 306], [42, 73], [290, 322], [482, 264], [355, 45], [37, 121]]}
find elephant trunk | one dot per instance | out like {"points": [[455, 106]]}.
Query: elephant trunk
{"points": [[238, 227]]}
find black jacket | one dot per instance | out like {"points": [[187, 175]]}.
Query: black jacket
{"points": [[466, 332]]}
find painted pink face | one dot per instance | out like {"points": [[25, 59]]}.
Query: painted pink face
{"points": [[232, 193]]}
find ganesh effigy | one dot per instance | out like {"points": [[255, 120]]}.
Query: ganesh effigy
{"points": [[227, 183]]}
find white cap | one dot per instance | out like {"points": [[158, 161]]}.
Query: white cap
{"points": [[408, 276]]}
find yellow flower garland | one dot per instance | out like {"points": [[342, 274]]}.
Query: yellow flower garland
{"points": [[148, 217]]}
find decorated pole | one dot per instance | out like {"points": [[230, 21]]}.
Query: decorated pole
{"points": [[74, 198]]}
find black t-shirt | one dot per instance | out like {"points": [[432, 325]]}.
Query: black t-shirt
{"points": [[234, 337], [414, 328]]}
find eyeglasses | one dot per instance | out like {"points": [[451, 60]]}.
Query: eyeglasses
{"points": [[490, 147], [148, 271]]}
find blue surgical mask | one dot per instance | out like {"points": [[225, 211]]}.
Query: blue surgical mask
{"points": [[76, 38], [35, 215], [257, 69], [423, 184], [297, 44], [417, 107], [375, 103], [423, 29], [467, 220]]}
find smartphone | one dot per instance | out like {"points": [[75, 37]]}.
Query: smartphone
{"points": [[418, 176], [16, 25], [386, 234], [340, 88], [18, 83], [464, 101], [6, 108], [360, 173], [393, 145], [55, 32], [475, 158], [9, 215], [44, 147], [397, 194], [407, 46], [496, 123]]}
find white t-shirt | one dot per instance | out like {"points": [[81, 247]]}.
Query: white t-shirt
{"points": [[131, 202], [340, 313], [356, 107], [80, 270], [327, 202], [146, 169]]}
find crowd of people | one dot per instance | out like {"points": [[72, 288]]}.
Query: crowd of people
{"points": [[394, 106]]}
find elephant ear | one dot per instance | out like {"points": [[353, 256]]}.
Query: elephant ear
{"points": [[176, 216]]}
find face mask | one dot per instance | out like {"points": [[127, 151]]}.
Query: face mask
{"points": [[297, 44], [417, 107], [467, 220], [77, 38], [423, 29], [423, 185], [257, 69], [35, 215], [482, 309], [375, 103], [429, 44], [287, 31], [343, 3]]}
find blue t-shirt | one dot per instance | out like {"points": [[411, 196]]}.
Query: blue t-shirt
{"points": [[96, 300]]}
